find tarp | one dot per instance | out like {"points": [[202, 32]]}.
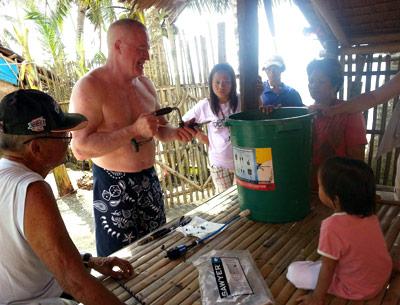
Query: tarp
{"points": [[8, 72]]}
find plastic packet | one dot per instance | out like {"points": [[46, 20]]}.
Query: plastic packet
{"points": [[199, 227], [229, 277]]}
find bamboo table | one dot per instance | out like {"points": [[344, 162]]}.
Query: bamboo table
{"points": [[159, 280]]}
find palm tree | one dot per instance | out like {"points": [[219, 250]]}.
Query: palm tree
{"points": [[99, 13], [50, 27]]}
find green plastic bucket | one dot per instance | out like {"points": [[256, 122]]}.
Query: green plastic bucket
{"points": [[272, 156]]}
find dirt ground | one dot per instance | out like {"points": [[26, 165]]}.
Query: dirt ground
{"points": [[76, 211]]}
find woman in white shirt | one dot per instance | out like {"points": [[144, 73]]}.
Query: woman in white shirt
{"points": [[223, 101]]}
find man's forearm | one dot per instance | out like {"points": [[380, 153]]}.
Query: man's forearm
{"points": [[100, 143], [167, 133], [371, 99], [90, 291]]}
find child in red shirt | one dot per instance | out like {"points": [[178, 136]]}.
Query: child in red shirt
{"points": [[355, 263]]}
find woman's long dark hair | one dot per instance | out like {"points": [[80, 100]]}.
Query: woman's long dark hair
{"points": [[233, 98]]}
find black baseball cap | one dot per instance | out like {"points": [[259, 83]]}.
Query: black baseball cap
{"points": [[32, 112]]}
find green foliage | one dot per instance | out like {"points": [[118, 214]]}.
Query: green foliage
{"points": [[99, 59], [80, 66], [49, 26], [101, 13]]}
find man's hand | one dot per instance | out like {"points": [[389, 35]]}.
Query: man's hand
{"points": [[198, 133], [146, 125], [309, 299], [112, 266], [259, 86], [185, 134], [269, 108]]}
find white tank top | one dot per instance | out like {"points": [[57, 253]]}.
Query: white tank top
{"points": [[23, 277]]}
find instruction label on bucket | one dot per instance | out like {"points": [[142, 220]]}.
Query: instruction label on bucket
{"points": [[254, 168]]}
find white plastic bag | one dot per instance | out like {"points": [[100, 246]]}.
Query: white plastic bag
{"points": [[229, 277], [199, 227]]}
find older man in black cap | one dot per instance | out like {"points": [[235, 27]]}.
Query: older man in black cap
{"points": [[276, 93], [39, 264]]}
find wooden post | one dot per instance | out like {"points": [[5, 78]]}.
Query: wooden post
{"points": [[63, 183], [221, 42], [248, 52]]}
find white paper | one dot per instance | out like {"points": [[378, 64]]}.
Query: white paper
{"points": [[199, 227]]}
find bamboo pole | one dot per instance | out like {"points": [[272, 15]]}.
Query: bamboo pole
{"points": [[284, 294], [193, 299], [204, 57], [221, 42], [174, 172], [189, 64], [379, 116], [160, 287], [171, 38]]}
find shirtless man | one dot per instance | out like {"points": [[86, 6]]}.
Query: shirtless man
{"points": [[119, 103]]}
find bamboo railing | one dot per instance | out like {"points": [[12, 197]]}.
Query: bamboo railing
{"points": [[370, 71], [181, 81]]}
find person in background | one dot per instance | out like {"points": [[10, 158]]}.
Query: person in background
{"points": [[223, 101], [341, 135], [39, 264], [276, 93], [119, 102], [368, 100], [355, 263]]}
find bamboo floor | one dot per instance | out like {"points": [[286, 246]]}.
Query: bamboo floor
{"points": [[159, 280]]}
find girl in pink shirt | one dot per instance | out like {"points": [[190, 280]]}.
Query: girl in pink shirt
{"points": [[355, 263]]}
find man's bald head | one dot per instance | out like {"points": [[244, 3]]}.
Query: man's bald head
{"points": [[121, 28]]}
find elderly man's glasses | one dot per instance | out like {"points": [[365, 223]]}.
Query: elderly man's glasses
{"points": [[66, 139]]}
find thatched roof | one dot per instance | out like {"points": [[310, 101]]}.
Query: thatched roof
{"points": [[368, 25], [358, 26], [9, 54]]}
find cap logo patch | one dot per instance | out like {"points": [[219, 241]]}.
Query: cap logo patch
{"points": [[37, 124]]}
